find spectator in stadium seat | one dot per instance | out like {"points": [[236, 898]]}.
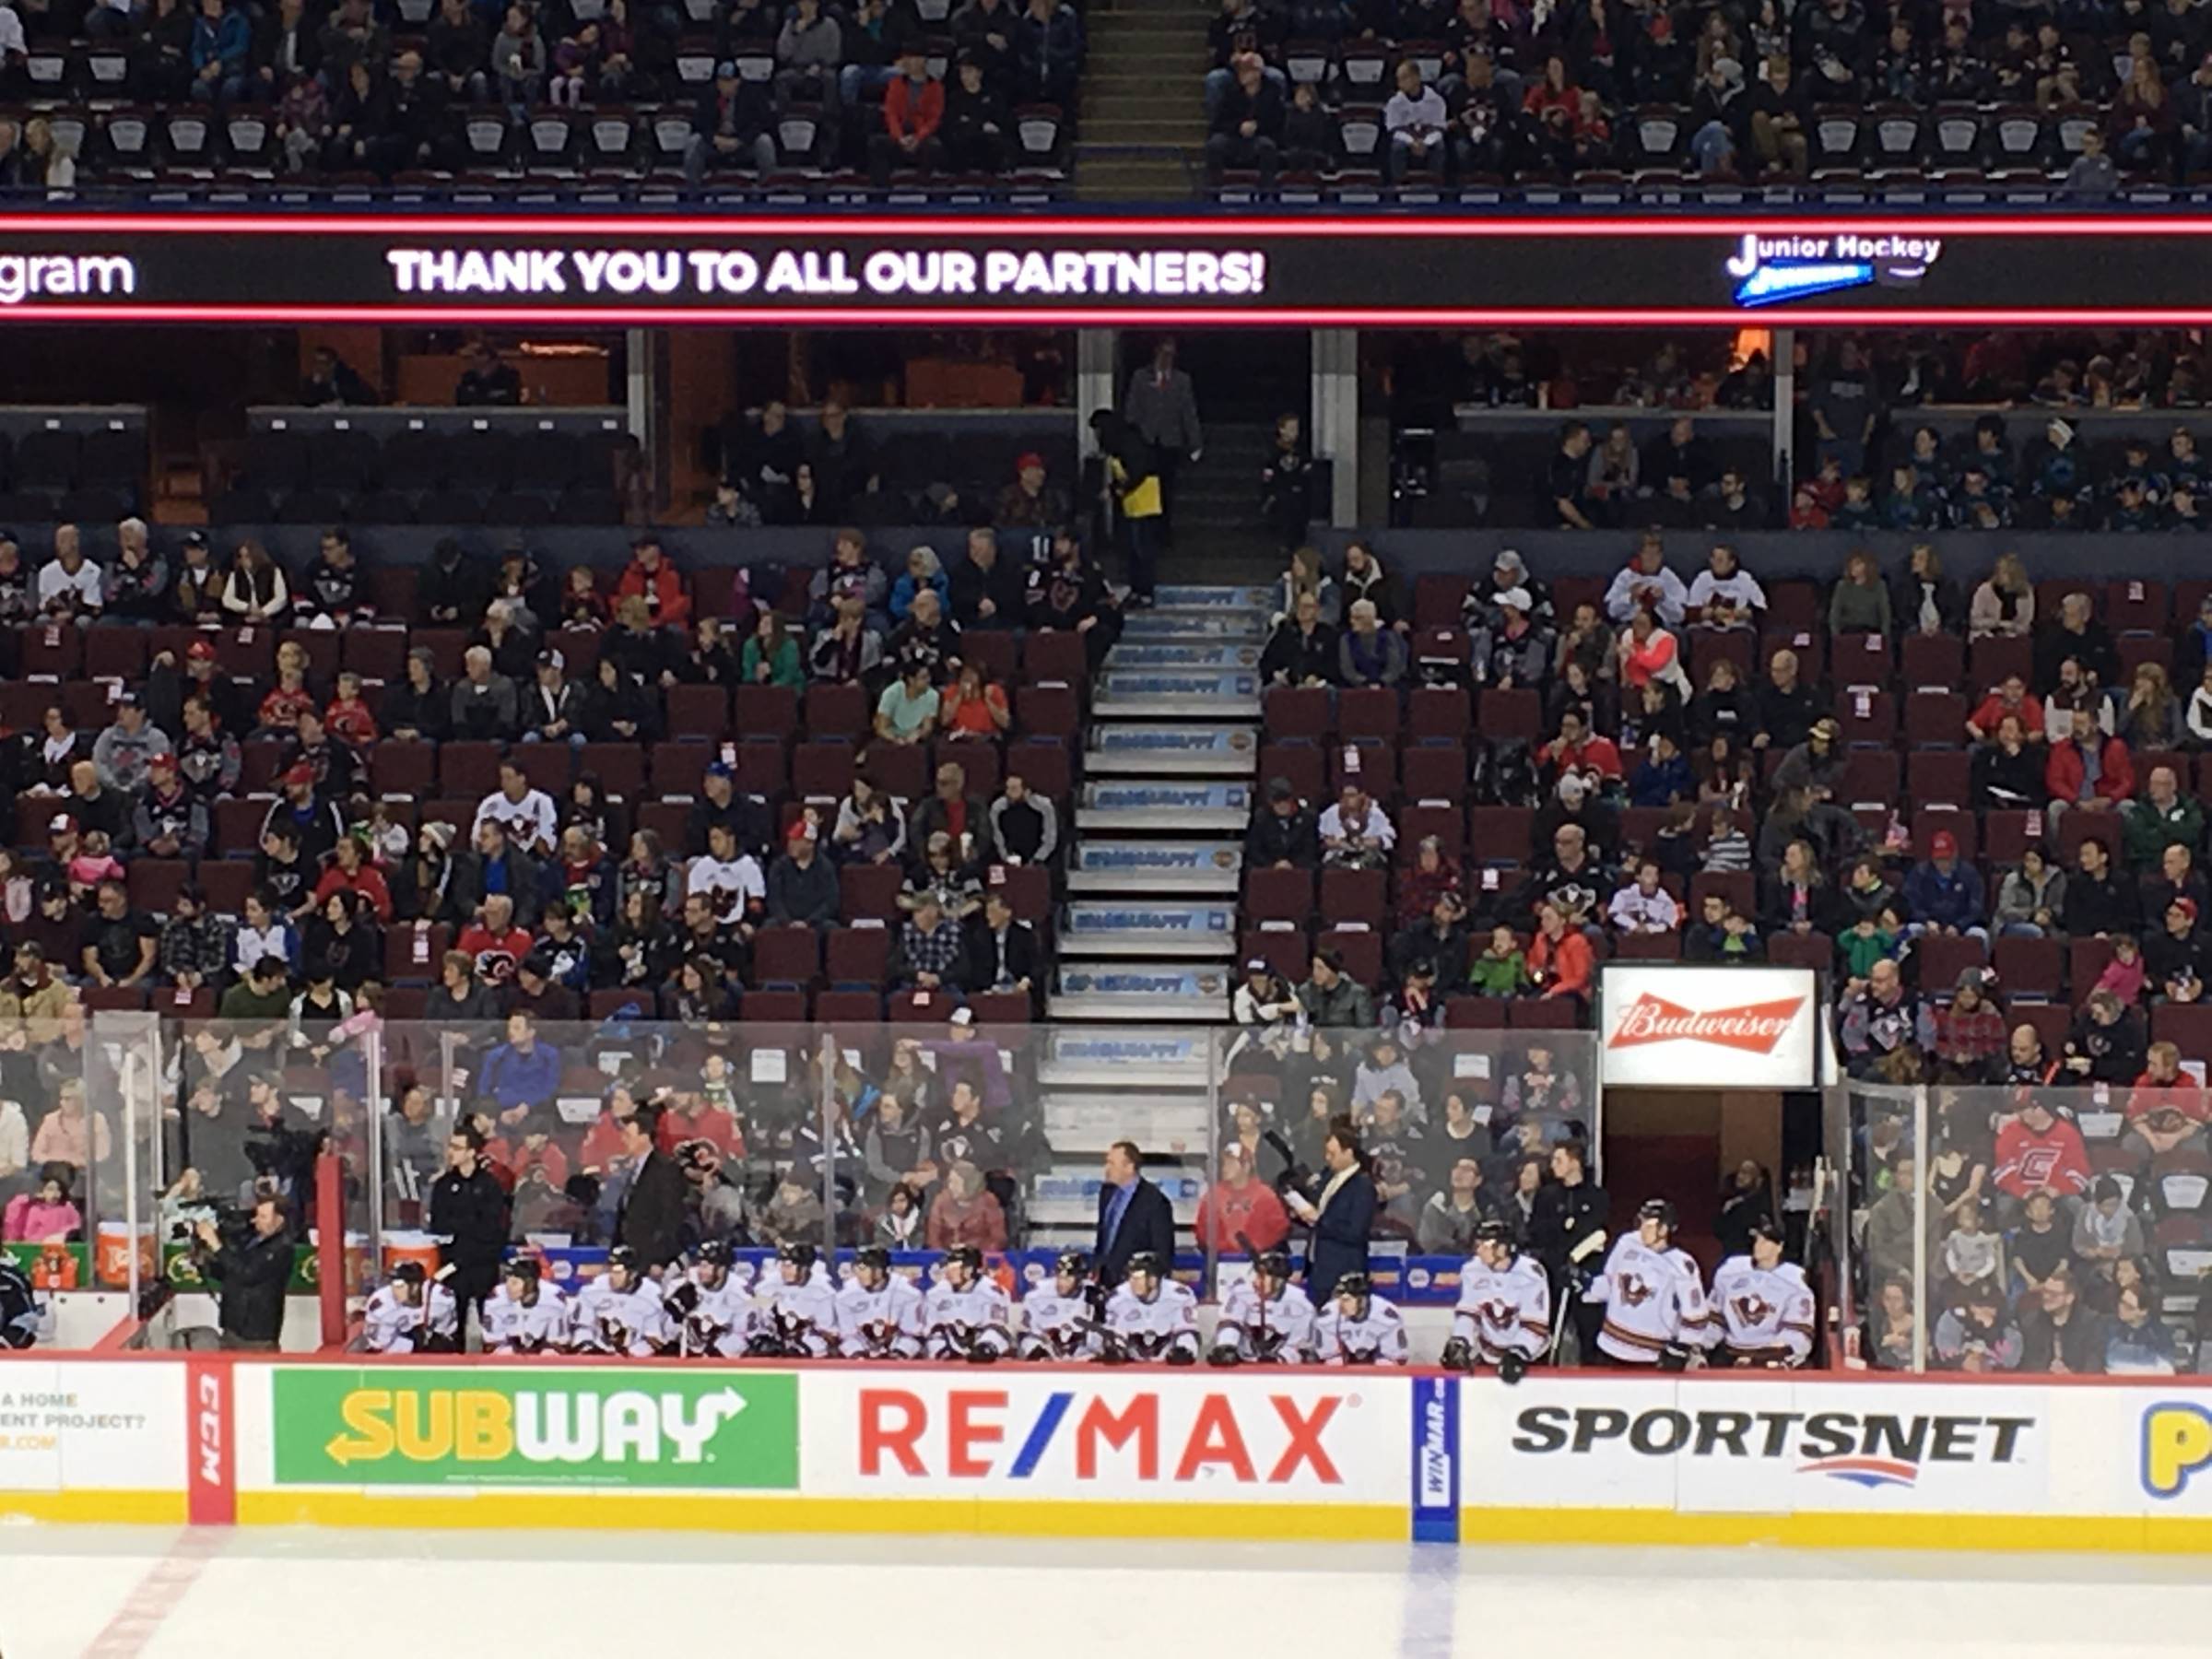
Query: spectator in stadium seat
{"points": [[1861, 602], [352, 35], [1943, 894], [2077, 634], [2003, 605], [221, 41], [2160, 817], [1779, 121], [2062, 1334], [1724, 594], [2008, 698], [417, 708], [1925, 600], [1355, 832], [2151, 718], [71, 585], [913, 109], [801, 887], [1788, 708], [1048, 53], [2166, 1110], [1284, 834], [1515, 653], [2088, 771], [483, 704], [1881, 1017], [810, 49], [459, 48], [122, 751], [518, 59], [1367, 654], [1414, 122], [1980, 1338], [931, 953], [255, 592], [2030, 898], [1247, 125], [2099, 902], [1560, 962], [1332, 999], [2104, 1045], [1646, 583]]}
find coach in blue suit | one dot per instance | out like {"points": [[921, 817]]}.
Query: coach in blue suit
{"points": [[1134, 1215], [1340, 1208]]}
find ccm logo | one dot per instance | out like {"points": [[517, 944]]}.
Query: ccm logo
{"points": [[208, 1428]]}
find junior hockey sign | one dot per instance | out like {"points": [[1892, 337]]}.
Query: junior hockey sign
{"points": [[1722, 1027]]}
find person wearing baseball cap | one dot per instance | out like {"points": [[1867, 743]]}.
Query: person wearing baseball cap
{"points": [[2174, 958], [1030, 503], [314, 820], [1943, 893], [729, 128], [168, 822]]}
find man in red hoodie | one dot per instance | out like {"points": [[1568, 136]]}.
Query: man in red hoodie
{"points": [[2039, 1152], [1240, 1214], [913, 108]]}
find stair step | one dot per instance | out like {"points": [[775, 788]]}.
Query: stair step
{"points": [[1153, 993], [1165, 805], [1167, 695], [1077, 1059], [1171, 750], [1150, 654], [1138, 927], [1114, 864]]}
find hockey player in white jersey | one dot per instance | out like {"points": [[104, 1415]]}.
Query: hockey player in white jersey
{"points": [[525, 1315], [711, 1306], [878, 1311], [967, 1315], [1655, 1297], [1765, 1306], [1058, 1319], [802, 1308], [1358, 1327], [621, 1310], [1151, 1317], [413, 1314], [1504, 1313], [1266, 1320]]}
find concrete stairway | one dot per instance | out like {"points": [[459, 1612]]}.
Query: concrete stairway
{"points": [[1143, 128]]}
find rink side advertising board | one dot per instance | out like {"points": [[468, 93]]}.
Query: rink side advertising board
{"points": [[1849, 1460], [1378, 271]]}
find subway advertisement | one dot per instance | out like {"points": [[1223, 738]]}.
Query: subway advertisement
{"points": [[1819, 1462], [1098, 269]]}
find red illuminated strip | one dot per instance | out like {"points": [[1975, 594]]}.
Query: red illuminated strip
{"points": [[969, 229], [1108, 317]]}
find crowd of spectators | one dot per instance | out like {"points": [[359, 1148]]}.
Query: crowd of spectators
{"points": [[1488, 92], [356, 89]]}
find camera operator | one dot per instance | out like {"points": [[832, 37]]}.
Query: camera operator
{"points": [[251, 1266]]}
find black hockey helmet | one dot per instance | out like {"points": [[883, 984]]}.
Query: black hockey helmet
{"points": [[1659, 1210], [801, 1255], [1497, 1232], [875, 1256], [522, 1267], [1767, 1228], [409, 1273], [1272, 1263], [712, 1253], [626, 1257], [1356, 1285], [968, 1255], [1148, 1260], [1073, 1263]]}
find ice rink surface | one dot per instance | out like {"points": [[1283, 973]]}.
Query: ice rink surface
{"points": [[118, 1594]]}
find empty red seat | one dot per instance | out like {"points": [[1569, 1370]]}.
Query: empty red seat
{"points": [[2029, 966], [1000, 1008], [785, 955], [1044, 766], [1788, 949], [856, 956], [1943, 957], [1869, 778], [1283, 949], [620, 766], [1868, 717], [1296, 712], [1433, 772], [869, 892], [1511, 715], [402, 769], [1271, 895], [1437, 598], [1499, 834], [1475, 1013], [836, 711], [468, 768], [2086, 959], [1028, 890], [761, 711], [822, 771], [2188, 1026], [2134, 606], [900, 770], [1939, 776], [849, 1005], [1436, 711], [1861, 661], [1936, 719], [2006, 833], [1419, 819], [699, 712], [1992, 660], [1048, 712], [1354, 895], [1366, 711], [1544, 1014], [1300, 764], [768, 1008], [1932, 661], [1056, 656], [1360, 948]]}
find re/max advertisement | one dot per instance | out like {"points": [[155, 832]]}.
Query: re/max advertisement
{"points": [[1100, 271]]}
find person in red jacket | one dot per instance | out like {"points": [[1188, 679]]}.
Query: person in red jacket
{"points": [[2067, 773], [913, 108], [1560, 958], [1236, 1204], [2037, 1152], [652, 578]]}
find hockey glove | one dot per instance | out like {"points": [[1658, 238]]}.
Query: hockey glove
{"points": [[1459, 1354], [1512, 1368], [1222, 1355], [1181, 1356], [982, 1355], [1673, 1356]]}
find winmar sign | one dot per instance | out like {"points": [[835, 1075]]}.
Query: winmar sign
{"points": [[1867, 1448], [608, 1428]]}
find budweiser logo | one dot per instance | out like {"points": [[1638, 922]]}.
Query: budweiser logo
{"points": [[1754, 1028]]}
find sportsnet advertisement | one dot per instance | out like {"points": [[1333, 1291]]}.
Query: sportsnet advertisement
{"points": [[1717, 1028]]}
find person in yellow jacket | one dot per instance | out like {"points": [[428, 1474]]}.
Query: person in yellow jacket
{"points": [[1134, 480]]}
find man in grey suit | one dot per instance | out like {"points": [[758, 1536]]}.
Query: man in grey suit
{"points": [[1162, 405]]}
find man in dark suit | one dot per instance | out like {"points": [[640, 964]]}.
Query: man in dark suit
{"points": [[1134, 1215], [1340, 1208], [652, 1219], [1001, 953]]}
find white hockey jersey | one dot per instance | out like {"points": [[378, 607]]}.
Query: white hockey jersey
{"points": [[392, 1326], [1379, 1339], [960, 1322], [1153, 1330], [1766, 1314], [633, 1322], [1504, 1312], [1051, 1326], [1276, 1330], [541, 1326], [805, 1316], [1653, 1299], [721, 1320], [884, 1323]]}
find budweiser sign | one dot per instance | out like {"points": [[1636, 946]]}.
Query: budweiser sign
{"points": [[1754, 1029]]}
